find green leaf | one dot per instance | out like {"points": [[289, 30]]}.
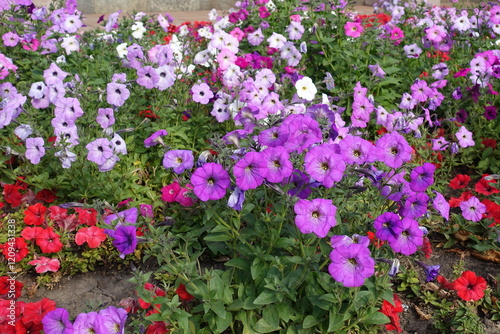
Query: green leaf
{"points": [[239, 263], [257, 267], [377, 318], [271, 315], [266, 297], [310, 321], [336, 322], [217, 237], [262, 326]]}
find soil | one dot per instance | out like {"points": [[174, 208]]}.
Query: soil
{"points": [[96, 290]]}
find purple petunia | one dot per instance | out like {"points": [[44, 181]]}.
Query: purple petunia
{"points": [[155, 138], [125, 239], [210, 181], [147, 77], [34, 149], [127, 216], [114, 320], [422, 177], [351, 264], [393, 149], [415, 206], [431, 271], [236, 199], [388, 226], [441, 205], [250, 171], [410, 238], [278, 164], [324, 165], [316, 216], [57, 322], [179, 160], [105, 117]]}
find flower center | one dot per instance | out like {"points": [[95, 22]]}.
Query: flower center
{"points": [[211, 180], [315, 214]]}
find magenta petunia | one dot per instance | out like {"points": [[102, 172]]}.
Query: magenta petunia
{"points": [[324, 165], [415, 206], [155, 138], [441, 205], [278, 164], [210, 181], [250, 170], [351, 264], [316, 216], [114, 320]]}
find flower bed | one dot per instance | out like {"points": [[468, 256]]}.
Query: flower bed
{"points": [[307, 150]]}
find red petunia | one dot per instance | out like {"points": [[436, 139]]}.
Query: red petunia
{"points": [[46, 195], [49, 241], [460, 181], [9, 285], [16, 247], [12, 195], [156, 292], [484, 187], [469, 286], [490, 143], [157, 327], [29, 326], [374, 240], [391, 311], [21, 184], [37, 310], [93, 236], [35, 214], [444, 283], [57, 213], [455, 202], [30, 233], [87, 216], [426, 248], [183, 294], [492, 211]]}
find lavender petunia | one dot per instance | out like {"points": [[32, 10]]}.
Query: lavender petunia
{"points": [[100, 150], [147, 77], [441, 205], [34, 149], [351, 265], [179, 160], [127, 216], [324, 165], [57, 322], [105, 117], [202, 93], [88, 323], [117, 94], [278, 164], [236, 199], [393, 149], [114, 320], [473, 209]]}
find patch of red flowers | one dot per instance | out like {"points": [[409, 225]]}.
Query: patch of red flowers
{"points": [[12, 195], [35, 214], [468, 286], [392, 312], [183, 294], [49, 241], [374, 19], [460, 181], [15, 249], [484, 187]]}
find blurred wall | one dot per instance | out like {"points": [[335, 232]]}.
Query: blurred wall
{"points": [[130, 6]]}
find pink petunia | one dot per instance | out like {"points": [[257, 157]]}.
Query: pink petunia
{"points": [[43, 264]]}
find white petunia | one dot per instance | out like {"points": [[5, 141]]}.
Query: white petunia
{"points": [[306, 88]]}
